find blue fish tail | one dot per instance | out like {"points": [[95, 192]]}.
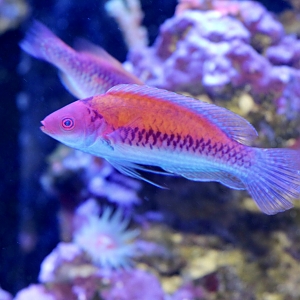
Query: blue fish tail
{"points": [[274, 181]]}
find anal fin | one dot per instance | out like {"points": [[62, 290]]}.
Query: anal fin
{"points": [[204, 175]]}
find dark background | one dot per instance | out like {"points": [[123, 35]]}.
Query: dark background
{"points": [[24, 147]]}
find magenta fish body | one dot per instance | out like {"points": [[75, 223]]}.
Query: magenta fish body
{"points": [[86, 72], [136, 126]]}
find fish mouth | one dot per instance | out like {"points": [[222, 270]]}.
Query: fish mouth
{"points": [[43, 128]]}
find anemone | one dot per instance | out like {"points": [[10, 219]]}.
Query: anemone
{"points": [[106, 239]]}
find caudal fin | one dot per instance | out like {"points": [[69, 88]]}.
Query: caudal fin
{"points": [[275, 181], [40, 41]]}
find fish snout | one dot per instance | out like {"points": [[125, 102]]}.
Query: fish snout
{"points": [[43, 126]]}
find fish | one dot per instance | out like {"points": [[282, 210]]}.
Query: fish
{"points": [[85, 72], [137, 128]]}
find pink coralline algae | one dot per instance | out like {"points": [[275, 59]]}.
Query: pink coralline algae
{"points": [[55, 291], [252, 14], [35, 292], [189, 291], [66, 274], [207, 49], [64, 255], [5, 295], [134, 285]]}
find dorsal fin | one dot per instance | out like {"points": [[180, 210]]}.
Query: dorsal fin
{"points": [[84, 46], [232, 124]]}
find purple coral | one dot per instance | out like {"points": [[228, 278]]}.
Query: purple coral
{"points": [[134, 285], [286, 52], [259, 21], [189, 291], [5, 295], [220, 49], [253, 69], [190, 53], [57, 291], [64, 254], [35, 292], [252, 14], [68, 274]]}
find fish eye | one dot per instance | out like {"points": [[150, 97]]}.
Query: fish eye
{"points": [[68, 123]]}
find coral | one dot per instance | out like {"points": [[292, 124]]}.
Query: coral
{"points": [[185, 56], [188, 291], [106, 240], [214, 269], [62, 258], [129, 16], [57, 291], [83, 212], [34, 292], [207, 49], [98, 242], [66, 271], [286, 52], [252, 14], [134, 285], [5, 295]]}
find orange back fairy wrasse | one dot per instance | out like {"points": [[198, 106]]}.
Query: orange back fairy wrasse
{"points": [[134, 127], [86, 72]]}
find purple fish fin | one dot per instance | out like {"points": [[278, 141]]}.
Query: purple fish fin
{"points": [[37, 39], [275, 179], [128, 169], [71, 86], [84, 46], [98, 53], [232, 124], [212, 175]]}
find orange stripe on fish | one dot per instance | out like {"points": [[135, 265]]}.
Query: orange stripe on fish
{"points": [[138, 126]]}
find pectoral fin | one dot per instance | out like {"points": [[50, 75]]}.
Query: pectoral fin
{"points": [[129, 169]]}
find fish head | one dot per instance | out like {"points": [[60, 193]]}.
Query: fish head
{"points": [[74, 125]]}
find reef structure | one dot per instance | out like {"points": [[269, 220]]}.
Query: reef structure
{"points": [[220, 50]]}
